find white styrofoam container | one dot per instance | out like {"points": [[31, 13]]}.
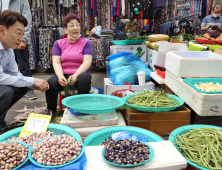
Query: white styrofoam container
{"points": [[166, 157], [158, 58], [203, 104], [193, 64], [84, 132], [157, 78], [109, 87], [90, 120]]}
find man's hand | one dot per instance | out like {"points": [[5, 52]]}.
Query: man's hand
{"points": [[74, 79], [22, 46], [209, 26], [40, 84], [219, 29], [62, 81]]}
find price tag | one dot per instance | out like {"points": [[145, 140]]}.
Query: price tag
{"points": [[35, 123]]}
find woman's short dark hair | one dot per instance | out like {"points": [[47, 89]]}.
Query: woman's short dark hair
{"points": [[68, 18], [9, 18]]}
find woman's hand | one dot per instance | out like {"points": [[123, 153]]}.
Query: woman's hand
{"points": [[74, 79], [62, 81]]}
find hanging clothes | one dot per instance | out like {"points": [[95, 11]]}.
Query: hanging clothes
{"points": [[31, 52], [95, 12], [148, 9], [43, 47]]}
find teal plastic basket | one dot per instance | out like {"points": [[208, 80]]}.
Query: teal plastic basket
{"points": [[93, 103], [192, 81], [128, 42], [24, 144], [184, 129], [57, 166], [57, 128], [96, 138], [151, 155], [153, 109]]}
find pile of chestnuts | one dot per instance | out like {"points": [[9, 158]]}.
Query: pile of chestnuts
{"points": [[56, 151], [125, 152], [34, 137], [12, 154]]}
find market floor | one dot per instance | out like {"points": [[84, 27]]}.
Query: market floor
{"points": [[97, 81]]}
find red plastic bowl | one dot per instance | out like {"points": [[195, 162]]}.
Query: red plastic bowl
{"points": [[219, 42], [211, 42], [201, 41], [162, 74]]}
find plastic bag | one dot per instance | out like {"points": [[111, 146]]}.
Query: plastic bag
{"points": [[123, 67], [128, 135]]}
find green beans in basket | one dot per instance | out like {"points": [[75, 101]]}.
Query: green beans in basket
{"points": [[152, 99], [202, 146]]}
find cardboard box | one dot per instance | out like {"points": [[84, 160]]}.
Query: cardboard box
{"points": [[109, 87], [218, 51], [159, 122], [158, 57], [139, 50]]}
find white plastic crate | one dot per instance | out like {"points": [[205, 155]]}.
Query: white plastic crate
{"points": [[203, 104], [193, 64]]}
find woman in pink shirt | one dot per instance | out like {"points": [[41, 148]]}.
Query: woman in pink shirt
{"points": [[71, 56]]}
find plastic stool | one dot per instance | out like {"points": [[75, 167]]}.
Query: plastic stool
{"points": [[62, 96]]}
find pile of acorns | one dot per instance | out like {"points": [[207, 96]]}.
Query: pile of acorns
{"points": [[56, 151], [12, 155], [126, 152], [34, 137]]}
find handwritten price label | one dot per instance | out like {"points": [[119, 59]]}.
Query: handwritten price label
{"points": [[35, 123]]}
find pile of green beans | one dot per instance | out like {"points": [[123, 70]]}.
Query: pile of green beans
{"points": [[202, 146], [152, 99]]}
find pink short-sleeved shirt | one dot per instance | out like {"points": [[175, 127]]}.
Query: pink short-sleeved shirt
{"points": [[72, 53]]}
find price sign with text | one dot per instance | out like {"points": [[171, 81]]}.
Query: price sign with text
{"points": [[35, 123]]}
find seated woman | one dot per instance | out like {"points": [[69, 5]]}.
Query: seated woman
{"points": [[71, 56]]}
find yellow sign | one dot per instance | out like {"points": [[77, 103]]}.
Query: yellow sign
{"points": [[35, 123]]}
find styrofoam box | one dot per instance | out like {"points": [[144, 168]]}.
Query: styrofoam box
{"points": [[203, 104], [157, 78], [158, 58], [194, 64], [166, 157], [109, 87]]}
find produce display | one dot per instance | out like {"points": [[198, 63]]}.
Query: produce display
{"points": [[209, 86], [34, 137], [137, 38], [12, 154], [219, 38], [125, 152], [158, 37], [188, 37], [152, 99], [202, 146], [56, 151], [208, 37]]}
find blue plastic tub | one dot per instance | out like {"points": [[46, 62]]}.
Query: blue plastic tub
{"points": [[192, 81], [128, 42]]}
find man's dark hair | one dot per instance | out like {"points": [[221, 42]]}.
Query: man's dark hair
{"points": [[9, 18], [217, 6]]}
